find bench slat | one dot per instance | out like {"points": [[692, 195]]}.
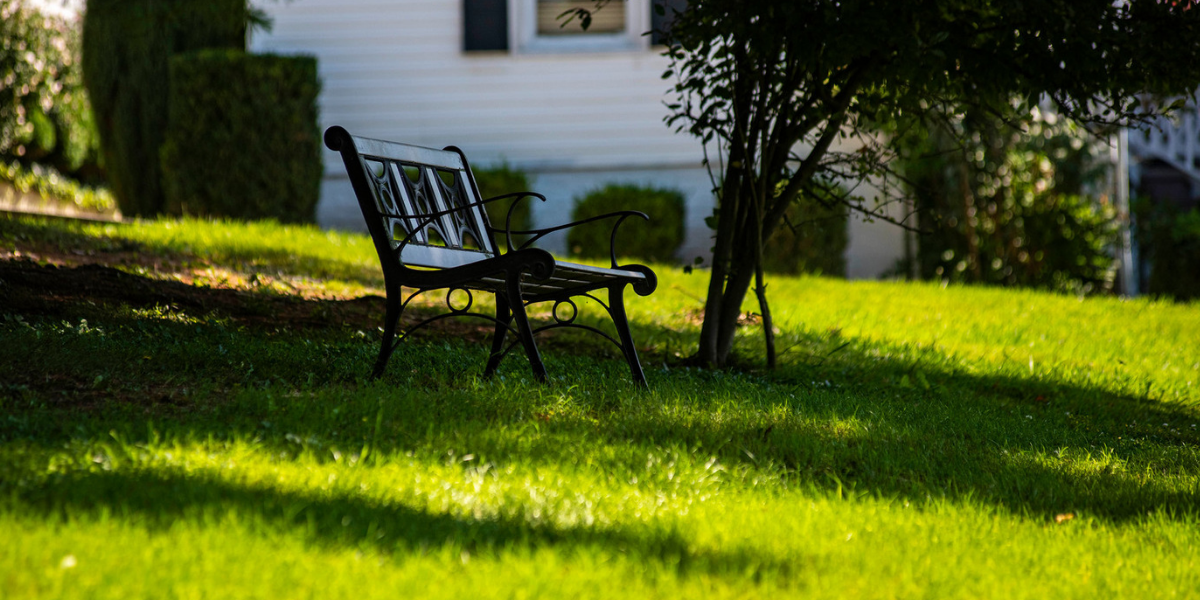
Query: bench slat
{"points": [[600, 272], [403, 152], [437, 257]]}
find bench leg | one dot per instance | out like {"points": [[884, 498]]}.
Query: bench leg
{"points": [[616, 302], [524, 330], [389, 334], [504, 317]]}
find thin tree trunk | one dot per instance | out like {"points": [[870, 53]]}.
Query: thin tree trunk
{"points": [[708, 353], [740, 278], [760, 290], [964, 185]]}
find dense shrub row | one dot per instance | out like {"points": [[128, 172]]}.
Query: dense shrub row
{"points": [[127, 46], [812, 240], [189, 123]]}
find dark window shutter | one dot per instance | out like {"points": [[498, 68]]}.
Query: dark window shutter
{"points": [[661, 24], [485, 25]]}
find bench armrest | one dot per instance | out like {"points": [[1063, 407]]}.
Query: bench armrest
{"points": [[620, 215], [508, 216]]}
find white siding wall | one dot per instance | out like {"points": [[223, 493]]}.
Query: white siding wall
{"points": [[395, 69]]}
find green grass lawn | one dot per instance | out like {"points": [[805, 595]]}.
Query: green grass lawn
{"points": [[917, 441]]}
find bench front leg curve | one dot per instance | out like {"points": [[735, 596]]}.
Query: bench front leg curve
{"points": [[616, 303], [504, 317], [387, 344], [525, 332]]}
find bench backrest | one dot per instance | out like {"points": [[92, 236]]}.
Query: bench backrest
{"points": [[398, 186]]}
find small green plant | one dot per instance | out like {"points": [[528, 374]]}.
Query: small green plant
{"points": [[656, 240], [498, 180]]}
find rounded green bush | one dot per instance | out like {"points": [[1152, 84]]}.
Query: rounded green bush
{"points": [[656, 240]]}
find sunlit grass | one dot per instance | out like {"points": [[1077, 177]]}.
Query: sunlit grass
{"points": [[916, 442]]}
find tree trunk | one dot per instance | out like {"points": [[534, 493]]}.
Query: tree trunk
{"points": [[760, 290], [736, 287], [964, 184], [727, 290], [727, 207]]}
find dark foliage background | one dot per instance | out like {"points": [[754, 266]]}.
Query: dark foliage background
{"points": [[1010, 199], [1169, 239]]}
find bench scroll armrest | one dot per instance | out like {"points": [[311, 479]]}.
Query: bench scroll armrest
{"points": [[620, 215], [507, 231]]}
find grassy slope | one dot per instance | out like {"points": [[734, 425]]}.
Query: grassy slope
{"points": [[918, 441]]}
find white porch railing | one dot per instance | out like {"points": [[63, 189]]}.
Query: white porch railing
{"points": [[1174, 141]]}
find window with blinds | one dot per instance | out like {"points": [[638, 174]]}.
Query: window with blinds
{"points": [[608, 20], [537, 26]]}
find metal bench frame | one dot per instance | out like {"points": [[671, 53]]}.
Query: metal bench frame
{"points": [[423, 211]]}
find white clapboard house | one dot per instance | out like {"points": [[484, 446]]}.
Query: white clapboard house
{"points": [[502, 80]]}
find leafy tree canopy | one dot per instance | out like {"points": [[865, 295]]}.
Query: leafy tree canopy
{"points": [[777, 87]]}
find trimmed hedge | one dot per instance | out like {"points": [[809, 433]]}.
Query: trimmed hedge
{"points": [[242, 139], [127, 45], [499, 180], [656, 240]]}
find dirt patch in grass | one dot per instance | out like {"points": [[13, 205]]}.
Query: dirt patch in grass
{"points": [[47, 289]]}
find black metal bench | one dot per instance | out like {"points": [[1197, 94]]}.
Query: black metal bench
{"points": [[430, 229]]}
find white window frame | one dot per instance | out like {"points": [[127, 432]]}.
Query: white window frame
{"points": [[522, 19]]}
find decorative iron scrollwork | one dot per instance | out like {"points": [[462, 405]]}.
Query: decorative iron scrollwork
{"points": [[560, 320], [405, 193], [450, 300]]}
